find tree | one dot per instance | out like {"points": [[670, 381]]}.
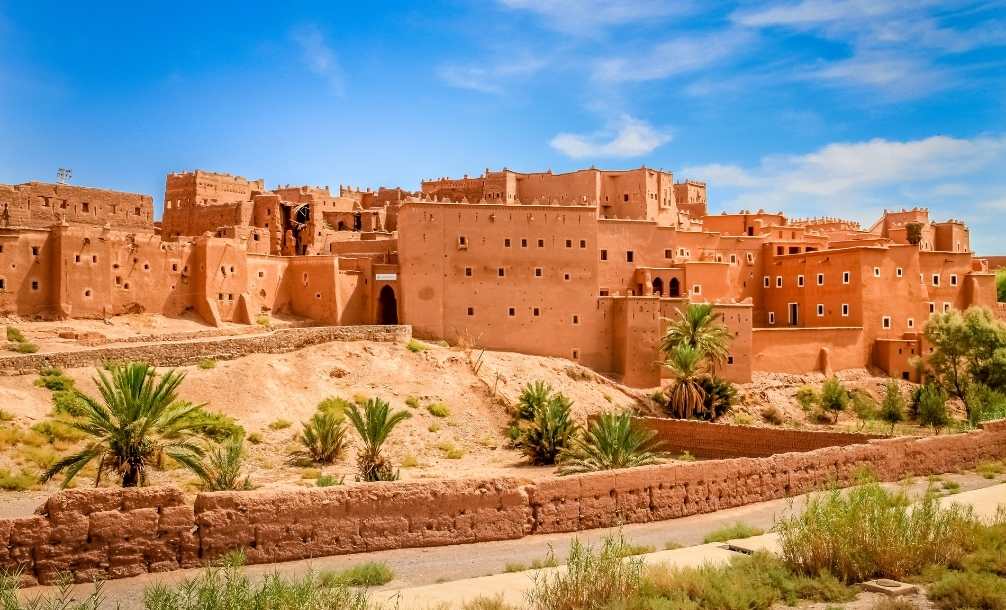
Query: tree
{"points": [[535, 394], [323, 438], [374, 423], [686, 366], [720, 395], [551, 431], [698, 326], [967, 348], [933, 407], [222, 471], [1001, 285], [892, 410], [833, 397], [913, 232], [137, 420], [611, 441]]}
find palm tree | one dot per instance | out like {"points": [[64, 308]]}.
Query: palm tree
{"points": [[685, 395], [374, 424], [323, 438], [611, 441], [551, 431], [138, 420], [222, 471], [534, 395], [698, 326]]}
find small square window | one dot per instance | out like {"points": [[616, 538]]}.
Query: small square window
{"points": [[750, 257], [583, 243], [523, 243], [668, 254], [538, 271], [576, 354], [845, 310], [697, 289], [506, 243], [541, 243], [946, 307], [876, 272], [625, 197], [535, 312], [603, 292], [911, 323], [953, 279], [501, 272], [820, 310], [899, 272], [576, 319], [76, 258], [511, 311], [471, 311], [886, 322], [820, 279], [468, 271], [936, 279], [604, 255], [629, 256], [462, 241], [799, 281], [34, 250], [730, 359], [569, 243], [846, 276], [34, 284], [733, 259], [932, 308]]}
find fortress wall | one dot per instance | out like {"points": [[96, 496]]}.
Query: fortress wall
{"points": [[115, 533], [800, 349], [191, 352], [715, 440]]}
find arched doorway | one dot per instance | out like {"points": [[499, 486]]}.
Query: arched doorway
{"points": [[387, 306], [674, 288], [658, 286]]}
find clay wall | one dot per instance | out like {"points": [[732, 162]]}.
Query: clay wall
{"points": [[111, 533], [27, 284], [951, 236], [715, 440], [806, 350], [40, 204]]}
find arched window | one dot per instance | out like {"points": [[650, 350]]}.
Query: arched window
{"points": [[674, 288]]}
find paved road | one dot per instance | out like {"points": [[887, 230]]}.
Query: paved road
{"points": [[429, 566]]}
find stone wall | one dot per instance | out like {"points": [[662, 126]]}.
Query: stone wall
{"points": [[715, 440], [179, 353], [108, 533]]}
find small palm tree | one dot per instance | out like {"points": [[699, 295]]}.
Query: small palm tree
{"points": [[533, 395], [551, 431], [323, 438], [698, 326], [685, 395], [374, 424], [222, 471], [611, 441], [137, 420]]}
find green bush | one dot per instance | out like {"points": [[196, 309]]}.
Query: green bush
{"points": [[54, 379], [280, 424], [732, 532], [374, 421], [869, 532], [58, 430], [207, 363], [215, 426], [535, 394], [977, 590], [255, 438], [370, 574], [412, 402], [221, 467], [892, 410], [593, 578], [334, 405], [323, 439], [834, 398], [438, 409], [328, 480], [806, 397], [19, 481], [416, 346], [24, 348], [68, 402], [6, 415], [986, 404], [719, 396], [227, 588], [933, 407], [550, 432], [15, 335], [611, 441], [64, 597]]}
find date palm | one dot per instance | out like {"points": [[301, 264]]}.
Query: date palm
{"points": [[611, 441], [137, 420], [698, 326], [685, 395], [374, 422]]}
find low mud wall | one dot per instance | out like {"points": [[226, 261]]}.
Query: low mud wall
{"points": [[178, 353], [116, 533], [715, 440]]}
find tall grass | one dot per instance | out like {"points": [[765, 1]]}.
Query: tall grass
{"points": [[869, 532], [593, 579], [63, 599]]}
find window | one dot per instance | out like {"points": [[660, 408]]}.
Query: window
{"points": [[576, 354], [799, 281], [3, 284], [76, 258], [468, 271], [765, 281], [604, 255], [845, 310], [778, 281], [471, 311], [730, 359], [750, 257], [506, 243], [820, 310], [668, 253], [886, 322], [936, 279], [771, 317], [876, 272], [34, 285], [576, 319], [511, 311], [501, 272], [899, 272], [34, 250], [953, 279], [87, 293], [625, 197], [94, 258], [603, 292], [565, 276], [569, 243], [538, 271], [583, 243], [541, 243], [462, 242], [733, 259], [946, 307], [932, 308], [535, 312], [697, 289], [260, 273], [911, 323], [523, 243], [846, 276], [629, 256], [85, 207]]}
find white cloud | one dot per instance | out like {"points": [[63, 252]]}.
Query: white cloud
{"points": [[589, 17], [318, 57], [673, 57], [490, 77], [628, 137]]}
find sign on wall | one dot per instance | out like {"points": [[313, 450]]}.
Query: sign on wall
{"points": [[386, 277]]}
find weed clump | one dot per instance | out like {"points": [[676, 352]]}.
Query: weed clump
{"points": [[732, 532]]}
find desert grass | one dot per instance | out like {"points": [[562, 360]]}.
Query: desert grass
{"points": [[732, 532]]}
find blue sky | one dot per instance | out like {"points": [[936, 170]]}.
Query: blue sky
{"points": [[813, 107]]}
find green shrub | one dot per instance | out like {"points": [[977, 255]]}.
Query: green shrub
{"points": [[255, 438], [54, 379], [535, 394], [207, 363], [68, 402], [611, 441], [24, 348], [280, 424], [370, 574], [732, 532], [416, 346], [869, 532], [834, 397], [263, 320], [412, 402], [410, 461], [771, 414], [438, 409], [593, 579], [227, 588], [451, 451], [550, 432], [58, 430], [6, 415], [15, 335], [892, 410], [63, 598], [806, 397], [956, 590], [718, 396], [19, 481], [686, 456], [221, 467], [334, 405], [985, 404], [215, 426], [323, 438], [933, 407], [327, 480]]}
